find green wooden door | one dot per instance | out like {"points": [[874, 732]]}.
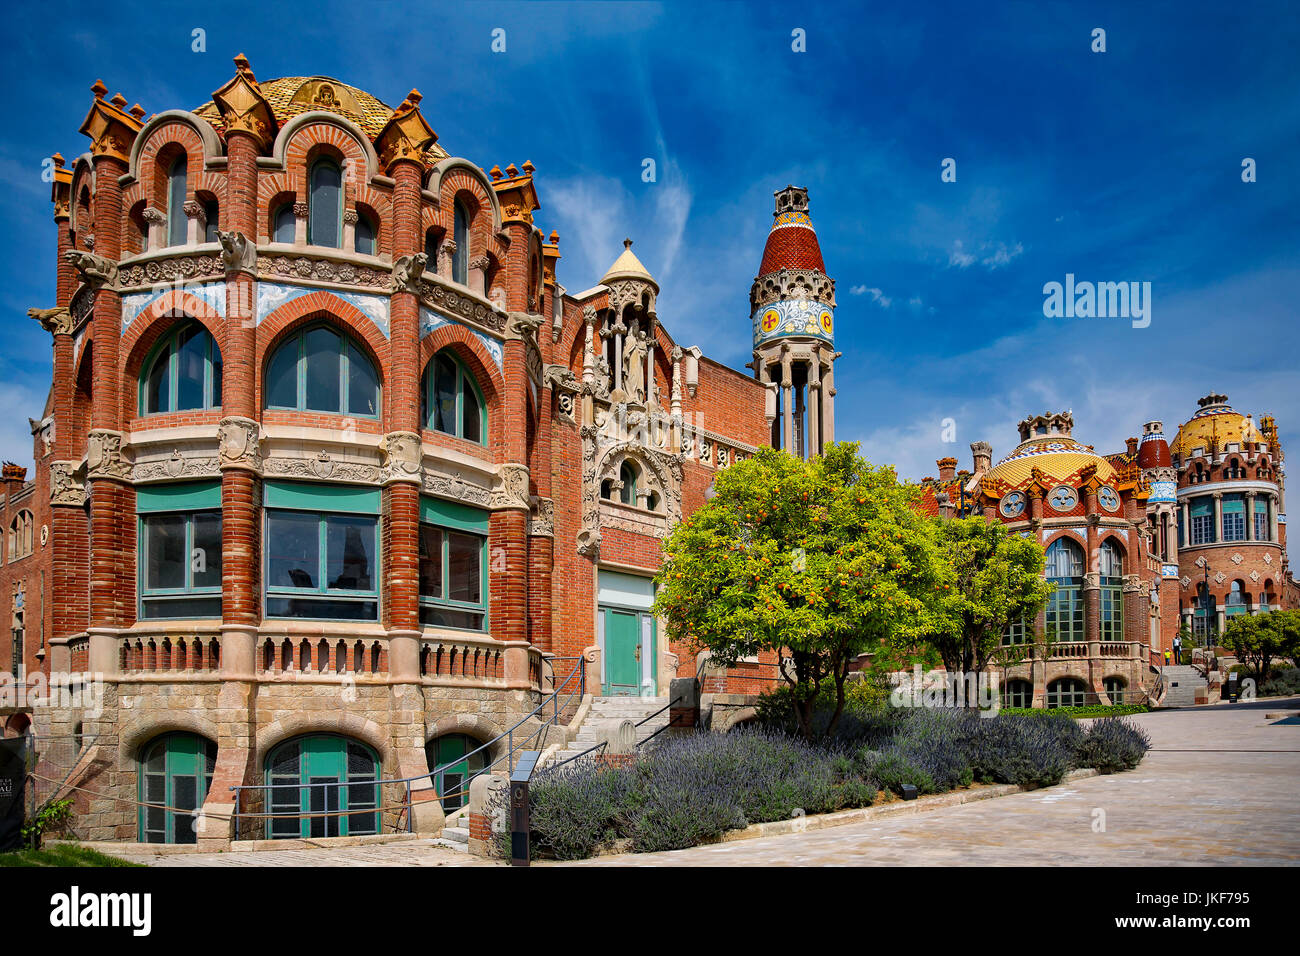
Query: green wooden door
{"points": [[335, 792], [176, 772], [452, 769], [622, 653]]}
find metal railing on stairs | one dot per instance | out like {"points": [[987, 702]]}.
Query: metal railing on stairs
{"points": [[517, 740]]}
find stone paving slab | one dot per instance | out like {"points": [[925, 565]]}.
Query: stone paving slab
{"points": [[1219, 788]]}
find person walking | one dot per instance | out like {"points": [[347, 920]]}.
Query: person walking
{"points": [[1178, 649]]}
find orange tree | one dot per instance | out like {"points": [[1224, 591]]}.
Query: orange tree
{"points": [[817, 561]]}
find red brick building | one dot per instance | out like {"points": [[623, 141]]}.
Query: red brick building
{"points": [[338, 480]]}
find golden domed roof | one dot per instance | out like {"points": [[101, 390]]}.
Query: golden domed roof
{"points": [[1217, 422], [291, 95], [627, 266], [1046, 444]]}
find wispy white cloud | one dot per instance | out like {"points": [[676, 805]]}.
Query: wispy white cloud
{"points": [[959, 257]]}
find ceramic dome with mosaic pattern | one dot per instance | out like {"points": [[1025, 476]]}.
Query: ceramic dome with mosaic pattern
{"points": [[1046, 444]]}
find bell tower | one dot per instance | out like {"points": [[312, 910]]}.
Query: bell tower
{"points": [[792, 307]]}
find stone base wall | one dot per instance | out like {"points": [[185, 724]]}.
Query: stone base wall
{"points": [[248, 720]]}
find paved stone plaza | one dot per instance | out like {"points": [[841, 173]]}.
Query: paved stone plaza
{"points": [[1219, 787]]}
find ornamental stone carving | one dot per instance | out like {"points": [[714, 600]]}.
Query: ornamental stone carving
{"points": [[180, 267], [1133, 583], [441, 295], [541, 520], [95, 270], [104, 456], [407, 271], [324, 270], [66, 487], [55, 321], [512, 488], [1092, 581], [237, 253], [239, 443], [176, 466], [323, 467], [402, 457], [456, 488]]}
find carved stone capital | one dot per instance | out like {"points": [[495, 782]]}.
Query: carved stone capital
{"points": [[239, 444], [55, 321], [1092, 581], [237, 253], [541, 519], [300, 210], [511, 491], [66, 486], [153, 215], [194, 210], [479, 262], [402, 457], [1133, 584], [95, 270], [589, 315], [104, 456], [350, 217]]}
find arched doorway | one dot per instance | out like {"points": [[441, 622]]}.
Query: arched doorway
{"points": [[175, 774], [456, 755], [322, 786]]}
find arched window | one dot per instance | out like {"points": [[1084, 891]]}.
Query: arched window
{"points": [[1017, 693], [452, 402], [628, 474], [454, 760], [1065, 606], [284, 224], [1067, 692], [1238, 601], [325, 204], [175, 774], [1110, 565], [184, 372], [320, 370], [211, 225], [177, 225], [20, 536], [1115, 687], [18, 631], [431, 249], [326, 775], [364, 235], [460, 234]]}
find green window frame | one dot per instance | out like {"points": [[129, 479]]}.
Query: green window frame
{"points": [[365, 237], [1115, 687], [451, 400], [453, 582], [325, 204], [1016, 632], [175, 770], [1067, 692], [313, 533], [1233, 508], [182, 372], [336, 777], [1065, 605], [454, 760], [460, 235], [284, 224], [1201, 512], [1111, 605], [1262, 530], [1017, 693], [178, 543], [301, 365]]}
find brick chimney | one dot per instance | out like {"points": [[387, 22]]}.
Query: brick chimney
{"points": [[947, 468], [982, 455], [945, 504], [13, 476], [1132, 444]]}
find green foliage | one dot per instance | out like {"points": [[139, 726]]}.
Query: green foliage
{"points": [[61, 855], [818, 561], [1112, 744], [1282, 683], [991, 579], [1087, 710], [1259, 639], [51, 817]]}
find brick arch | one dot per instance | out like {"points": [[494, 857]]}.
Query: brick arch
{"points": [[472, 352], [345, 318], [471, 725], [1071, 536], [459, 184], [318, 136], [160, 143], [1125, 552], [159, 318]]}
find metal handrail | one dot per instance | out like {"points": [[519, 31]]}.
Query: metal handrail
{"points": [[556, 766], [579, 671]]}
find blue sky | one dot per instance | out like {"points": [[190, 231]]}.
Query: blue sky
{"points": [[1115, 166]]}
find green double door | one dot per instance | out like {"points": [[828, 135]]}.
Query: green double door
{"points": [[629, 640], [457, 759], [335, 792]]}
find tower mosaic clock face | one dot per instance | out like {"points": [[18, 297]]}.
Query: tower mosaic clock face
{"points": [[1013, 504]]}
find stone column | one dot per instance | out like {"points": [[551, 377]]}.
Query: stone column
{"points": [[1248, 500], [787, 404], [814, 405], [300, 210], [1218, 517], [828, 401], [650, 361], [197, 222], [1184, 521], [1272, 518]]}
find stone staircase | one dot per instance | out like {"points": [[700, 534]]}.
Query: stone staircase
{"points": [[1182, 682], [607, 713]]}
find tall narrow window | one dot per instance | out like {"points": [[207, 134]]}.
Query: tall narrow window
{"points": [[321, 370], [628, 474], [1065, 606], [1202, 514], [180, 550], [1234, 518], [451, 399], [183, 373], [284, 224], [365, 235], [453, 565], [325, 207], [211, 224], [1111, 568], [460, 261], [177, 226], [1262, 530]]}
